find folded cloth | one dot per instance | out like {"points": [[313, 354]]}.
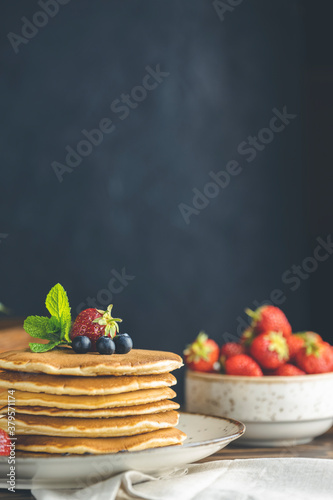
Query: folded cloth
{"points": [[251, 479]]}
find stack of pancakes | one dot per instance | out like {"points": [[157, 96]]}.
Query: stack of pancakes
{"points": [[73, 403]]}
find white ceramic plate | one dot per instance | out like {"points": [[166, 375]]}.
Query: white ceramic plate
{"points": [[205, 435]]}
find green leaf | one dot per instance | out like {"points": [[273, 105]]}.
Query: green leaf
{"points": [[37, 326], [66, 323], [58, 305], [56, 329], [57, 301], [43, 347], [54, 325]]}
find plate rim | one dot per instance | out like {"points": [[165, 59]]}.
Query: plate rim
{"points": [[241, 430]]}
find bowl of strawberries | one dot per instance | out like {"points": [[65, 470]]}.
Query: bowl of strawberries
{"points": [[278, 383]]}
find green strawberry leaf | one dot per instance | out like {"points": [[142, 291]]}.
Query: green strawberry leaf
{"points": [[37, 326], [43, 347]]}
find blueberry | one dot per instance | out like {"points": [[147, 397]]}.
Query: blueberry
{"points": [[123, 343], [105, 345], [81, 344]]}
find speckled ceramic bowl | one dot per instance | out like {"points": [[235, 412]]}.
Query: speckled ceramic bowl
{"points": [[277, 411]]}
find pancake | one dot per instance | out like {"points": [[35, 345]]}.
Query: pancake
{"points": [[49, 444], [65, 361], [89, 402], [51, 384], [146, 409], [92, 428]]}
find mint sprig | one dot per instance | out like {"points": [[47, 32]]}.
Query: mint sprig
{"points": [[58, 306], [37, 326], [56, 328], [43, 347]]}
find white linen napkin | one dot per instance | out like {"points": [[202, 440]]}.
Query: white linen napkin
{"points": [[250, 479]]}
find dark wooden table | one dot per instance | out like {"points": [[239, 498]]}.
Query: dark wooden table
{"points": [[13, 337]]}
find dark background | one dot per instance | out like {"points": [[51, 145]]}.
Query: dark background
{"points": [[119, 208]]}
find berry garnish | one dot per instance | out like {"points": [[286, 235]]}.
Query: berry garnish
{"points": [[123, 343], [89, 326], [4, 444], [81, 344], [105, 345], [110, 323], [94, 323]]}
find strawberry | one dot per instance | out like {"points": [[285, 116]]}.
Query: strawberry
{"points": [[288, 370], [295, 343], [94, 323], [231, 349], [309, 336], [242, 364], [247, 337], [269, 319], [4, 444], [202, 354], [315, 357], [270, 350], [228, 350], [299, 340]]}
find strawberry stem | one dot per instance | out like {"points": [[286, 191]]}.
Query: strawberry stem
{"points": [[198, 349], [278, 344], [255, 315], [110, 323]]}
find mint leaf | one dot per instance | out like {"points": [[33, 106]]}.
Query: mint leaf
{"points": [[54, 325], [58, 305], [57, 301], [66, 323], [43, 347], [56, 329], [37, 326]]}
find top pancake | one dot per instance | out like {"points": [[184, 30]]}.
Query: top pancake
{"points": [[66, 362]]}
